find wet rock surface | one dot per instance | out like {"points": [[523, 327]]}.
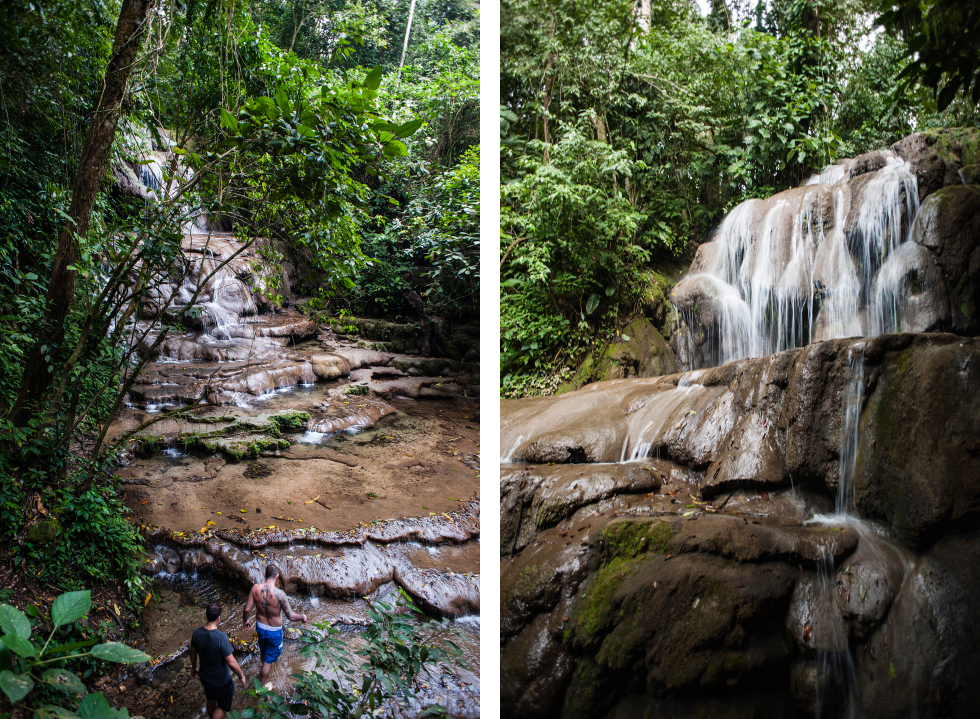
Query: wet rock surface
{"points": [[670, 545]]}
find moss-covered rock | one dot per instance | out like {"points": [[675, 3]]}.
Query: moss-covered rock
{"points": [[44, 532], [690, 623], [936, 156], [639, 351], [238, 438], [435, 367], [655, 302]]}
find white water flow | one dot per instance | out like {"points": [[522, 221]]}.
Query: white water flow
{"points": [[836, 676], [853, 399], [648, 420], [807, 265]]}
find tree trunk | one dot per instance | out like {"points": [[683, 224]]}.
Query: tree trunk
{"points": [[548, 84], [408, 32], [425, 327], [88, 177]]}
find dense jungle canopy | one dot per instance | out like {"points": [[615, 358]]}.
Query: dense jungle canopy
{"points": [[321, 132], [628, 130]]}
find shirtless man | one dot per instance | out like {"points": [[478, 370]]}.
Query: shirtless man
{"points": [[270, 603]]}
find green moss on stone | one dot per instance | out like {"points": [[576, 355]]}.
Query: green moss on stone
{"points": [[593, 614], [628, 539]]}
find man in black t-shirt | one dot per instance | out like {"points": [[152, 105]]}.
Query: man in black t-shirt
{"points": [[216, 657]]}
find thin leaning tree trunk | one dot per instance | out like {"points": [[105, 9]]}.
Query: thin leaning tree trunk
{"points": [[91, 169], [408, 31]]}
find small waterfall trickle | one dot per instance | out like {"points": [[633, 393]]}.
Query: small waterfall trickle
{"points": [[836, 676], [853, 399]]}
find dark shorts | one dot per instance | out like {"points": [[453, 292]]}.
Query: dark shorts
{"points": [[223, 693]]}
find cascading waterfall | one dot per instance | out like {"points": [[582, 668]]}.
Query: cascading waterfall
{"points": [[779, 276]]}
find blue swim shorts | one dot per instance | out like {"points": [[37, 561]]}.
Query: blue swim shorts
{"points": [[270, 643]]}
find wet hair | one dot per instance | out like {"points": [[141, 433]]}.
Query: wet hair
{"points": [[271, 571], [213, 611]]}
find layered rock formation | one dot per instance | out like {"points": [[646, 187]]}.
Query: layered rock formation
{"points": [[884, 242], [670, 546]]}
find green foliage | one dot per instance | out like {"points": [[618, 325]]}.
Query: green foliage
{"points": [[284, 148], [576, 233], [424, 234], [941, 40], [700, 113], [34, 675], [397, 652]]}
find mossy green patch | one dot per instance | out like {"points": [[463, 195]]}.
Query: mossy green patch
{"points": [[586, 693], [593, 615], [624, 546], [628, 539], [638, 351], [944, 140], [237, 440]]}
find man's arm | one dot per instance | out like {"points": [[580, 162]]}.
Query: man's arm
{"points": [[233, 665], [284, 604], [248, 609], [193, 655]]}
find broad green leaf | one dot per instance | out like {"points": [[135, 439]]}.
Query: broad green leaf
{"points": [[408, 128], [373, 79], [395, 148], [228, 121], [119, 653], [71, 647], [13, 621], [282, 100], [15, 686], [591, 303], [70, 607], [64, 679], [610, 291], [18, 645], [95, 706]]}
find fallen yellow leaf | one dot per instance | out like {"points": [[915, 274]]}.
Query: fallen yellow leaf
{"points": [[149, 596], [312, 500]]}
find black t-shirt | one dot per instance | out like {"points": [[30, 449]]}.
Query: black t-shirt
{"points": [[212, 647]]}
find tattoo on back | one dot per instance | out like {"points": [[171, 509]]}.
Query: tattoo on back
{"points": [[271, 599]]}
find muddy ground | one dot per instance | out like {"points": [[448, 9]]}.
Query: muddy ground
{"points": [[416, 461]]}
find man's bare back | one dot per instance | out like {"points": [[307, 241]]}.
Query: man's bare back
{"points": [[269, 602]]}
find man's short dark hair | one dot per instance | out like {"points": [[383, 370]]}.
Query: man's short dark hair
{"points": [[213, 611], [271, 571]]}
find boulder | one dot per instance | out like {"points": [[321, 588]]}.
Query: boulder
{"points": [[937, 155], [329, 366], [638, 351], [948, 226]]}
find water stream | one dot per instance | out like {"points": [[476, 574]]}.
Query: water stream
{"points": [[829, 259]]}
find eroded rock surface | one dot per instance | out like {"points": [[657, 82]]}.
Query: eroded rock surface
{"points": [[669, 545]]}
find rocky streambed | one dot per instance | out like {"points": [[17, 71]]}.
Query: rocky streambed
{"points": [[353, 467], [791, 535]]}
